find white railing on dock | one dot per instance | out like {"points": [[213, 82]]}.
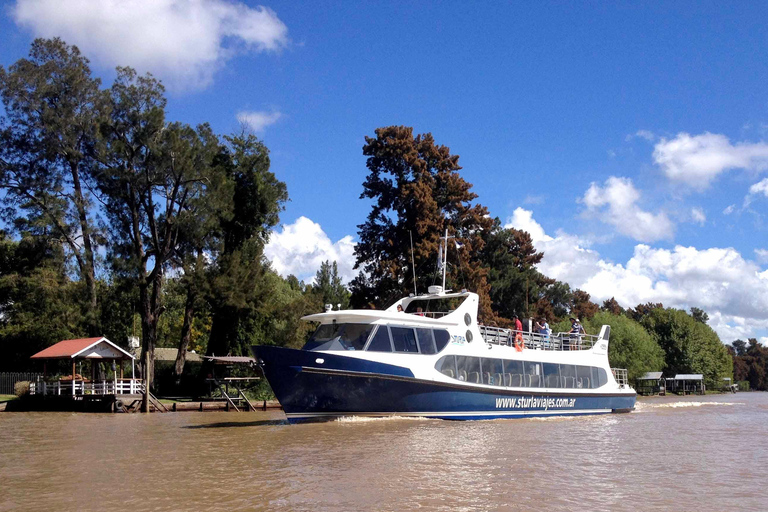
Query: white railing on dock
{"points": [[532, 340], [79, 387]]}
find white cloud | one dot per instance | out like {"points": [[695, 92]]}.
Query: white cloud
{"points": [[301, 247], [183, 42], [523, 219], [729, 209], [698, 215], [761, 187], [531, 199], [616, 204], [762, 255], [258, 121], [697, 160], [731, 289], [642, 134]]}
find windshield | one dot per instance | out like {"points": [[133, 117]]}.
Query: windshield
{"points": [[339, 337]]}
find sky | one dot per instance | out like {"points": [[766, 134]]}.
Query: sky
{"points": [[629, 138]]}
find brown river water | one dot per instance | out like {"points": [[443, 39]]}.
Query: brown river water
{"points": [[672, 453]]}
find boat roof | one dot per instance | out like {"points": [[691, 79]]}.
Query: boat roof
{"points": [[372, 315]]}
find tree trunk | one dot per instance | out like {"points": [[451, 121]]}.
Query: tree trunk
{"points": [[224, 325], [186, 333], [87, 272], [150, 315]]}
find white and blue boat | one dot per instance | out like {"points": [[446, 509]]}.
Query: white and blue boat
{"points": [[434, 360]]}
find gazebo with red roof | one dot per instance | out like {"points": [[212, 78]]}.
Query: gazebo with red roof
{"points": [[92, 349]]}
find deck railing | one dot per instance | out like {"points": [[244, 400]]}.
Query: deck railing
{"points": [[79, 387], [620, 374], [558, 341]]}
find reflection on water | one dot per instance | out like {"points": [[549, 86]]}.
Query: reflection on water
{"points": [[696, 453]]}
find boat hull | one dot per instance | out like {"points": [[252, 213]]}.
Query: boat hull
{"points": [[314, 386]]}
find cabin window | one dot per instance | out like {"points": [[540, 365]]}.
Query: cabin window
{"points": [[404, 339], [493, 372], [338, 336], [602, 377], [583, 377], [441, 339], [513, 373], [326, 332], [426, 342], [354, 336], [567, 376], [380, 341], [552, 375], [470, 367], [499, 372], [447, 366], [533, 375]]}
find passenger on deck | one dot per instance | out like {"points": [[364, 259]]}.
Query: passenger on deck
{"points": [[518, 324], [576, 331], [399, 308], [419, 311], [542, 328]]}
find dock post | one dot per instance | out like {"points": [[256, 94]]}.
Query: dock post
{"points": [[145, 401]]}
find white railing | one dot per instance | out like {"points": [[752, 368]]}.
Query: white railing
{"points": [[558, 341], [79, 387], [620, 374]]}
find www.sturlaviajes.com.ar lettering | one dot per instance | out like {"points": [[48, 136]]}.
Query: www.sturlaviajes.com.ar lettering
{"points": [[533, 402]]}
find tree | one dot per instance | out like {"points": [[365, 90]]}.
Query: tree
{"points": [[690, 346], [631, 346], [750, 363], [329, 287], [581, 307], [240, 277], [699, 315], [611, 306], [643, 310], [46, 137], [150, 176], [510, 257], [38, 302], [740, 347], [416, 191]]}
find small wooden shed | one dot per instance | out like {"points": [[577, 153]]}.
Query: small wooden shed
{"points": [[651, 383]]}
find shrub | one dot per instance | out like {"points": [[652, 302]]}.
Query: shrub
{"points": [[21, 388]]}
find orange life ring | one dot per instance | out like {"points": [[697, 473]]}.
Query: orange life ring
{"points": [[519, 342]]}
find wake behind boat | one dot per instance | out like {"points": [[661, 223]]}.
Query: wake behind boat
{"points": [[434, 360]]}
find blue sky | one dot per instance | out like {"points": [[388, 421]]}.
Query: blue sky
{"points": [[628, 138]]}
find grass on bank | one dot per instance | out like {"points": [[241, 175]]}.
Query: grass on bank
{"points": [[7, 398]]}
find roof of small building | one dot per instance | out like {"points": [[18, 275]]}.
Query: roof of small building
{"points": [[169, 354], [689, 376], [70, 349], [230, 359], [650, 376]]}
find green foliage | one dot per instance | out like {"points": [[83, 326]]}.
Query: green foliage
{"points": [[51, 106], [416, 192], [329, 287], [690, 346], [630, 345], [750, 364], [510, 257]]}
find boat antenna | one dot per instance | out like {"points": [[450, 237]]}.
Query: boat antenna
{"points": [[413, 266], [445, 257]]}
